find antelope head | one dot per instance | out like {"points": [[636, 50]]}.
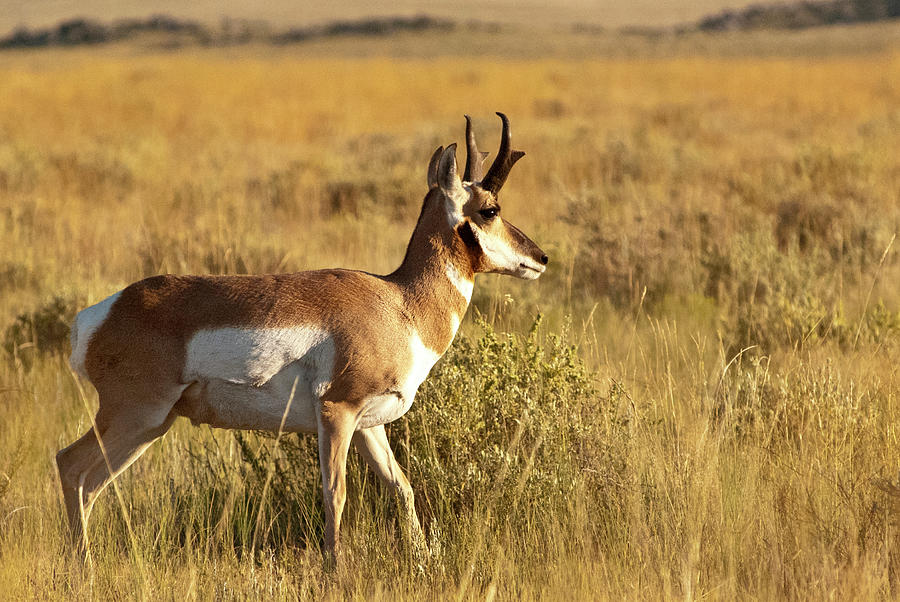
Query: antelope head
{"points": [[473, 208]]}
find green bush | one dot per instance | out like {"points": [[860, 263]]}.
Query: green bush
{"points": [[508, 426], [508, 418]]}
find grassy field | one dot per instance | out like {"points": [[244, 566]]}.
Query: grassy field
{"points": [[708, 407]]}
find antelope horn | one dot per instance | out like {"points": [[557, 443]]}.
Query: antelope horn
{"points": [[506, 158], [474, 159]]}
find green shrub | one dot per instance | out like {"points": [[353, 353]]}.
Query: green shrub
{"points": [[768, 299], [509, 426], [771, 299], [503, 405]]}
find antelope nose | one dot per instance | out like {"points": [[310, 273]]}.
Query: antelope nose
{"points": [[544, 259]]}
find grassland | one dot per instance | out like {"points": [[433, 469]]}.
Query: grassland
{"points": [[709, 408]]}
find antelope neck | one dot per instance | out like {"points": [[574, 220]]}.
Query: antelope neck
{"points": [[435, 278]]}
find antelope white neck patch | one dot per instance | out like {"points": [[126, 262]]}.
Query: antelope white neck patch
{"points": [[454, 324], [423, 359], [462, 284]]}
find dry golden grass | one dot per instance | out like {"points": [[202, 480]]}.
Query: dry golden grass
{"points": [[692, 207]]}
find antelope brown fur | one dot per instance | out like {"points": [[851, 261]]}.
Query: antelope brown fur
{"points": [[336, 352]]}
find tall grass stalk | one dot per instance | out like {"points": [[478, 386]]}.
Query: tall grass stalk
{"points": [[270, 469], [871, 288], [134, 551]]}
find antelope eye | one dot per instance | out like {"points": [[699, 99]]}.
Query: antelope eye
{"points": [[489, 213]]}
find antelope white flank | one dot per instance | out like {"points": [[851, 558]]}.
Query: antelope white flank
{"points": [[254, 355]]}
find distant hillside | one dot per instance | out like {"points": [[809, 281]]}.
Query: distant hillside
{"points": [[173, 32], [284, 14], [177, 31], [800, 15]]}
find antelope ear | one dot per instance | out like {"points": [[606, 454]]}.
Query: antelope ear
{"points": [[433, 167], [447, 174]]}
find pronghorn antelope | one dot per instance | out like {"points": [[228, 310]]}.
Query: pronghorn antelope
{"points": [[336, 352]]}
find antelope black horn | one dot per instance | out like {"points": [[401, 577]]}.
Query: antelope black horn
{"points": [[506, 158], [474, 159]]}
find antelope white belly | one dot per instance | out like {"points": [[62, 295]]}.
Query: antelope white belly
{"points": [[384, 408], [288, 397]]}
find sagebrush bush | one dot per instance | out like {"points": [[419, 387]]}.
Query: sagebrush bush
{"points": [[508, 417], [44, 329], [506, 425], [772, 299]]}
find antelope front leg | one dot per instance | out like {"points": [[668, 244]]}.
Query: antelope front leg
{"points": [[335, 432], [372, 444]]}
